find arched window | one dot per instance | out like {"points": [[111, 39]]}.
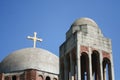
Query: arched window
{"points": [[47, 78], [107, 73], [96, 65], [85, 66], [14, 78]]}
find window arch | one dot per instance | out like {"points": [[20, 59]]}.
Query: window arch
{"points": [[84, 66], [96, 65], [47, 78], [107, 73]]}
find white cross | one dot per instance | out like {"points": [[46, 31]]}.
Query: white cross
{"points": [[34, 39]]}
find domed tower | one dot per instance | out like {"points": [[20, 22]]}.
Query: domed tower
{"points": [[30, 64], [86, 54]]}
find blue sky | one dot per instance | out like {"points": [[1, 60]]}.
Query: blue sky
{"points": [[51, 19]]}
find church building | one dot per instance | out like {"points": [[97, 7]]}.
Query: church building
{"points": [[30, 64], [85, 55]]}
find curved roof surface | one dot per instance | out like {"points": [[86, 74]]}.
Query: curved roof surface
{"points": [[87, 21], [31, 58]]}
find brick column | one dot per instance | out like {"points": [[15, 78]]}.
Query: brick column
{"points": [[30, 74], [1, 76]]}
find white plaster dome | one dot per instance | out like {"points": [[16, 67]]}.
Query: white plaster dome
{"points": [[83, 21], [30, 58]]}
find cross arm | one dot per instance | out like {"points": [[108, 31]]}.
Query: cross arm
{"points": [[30, 37], [38, 39]]}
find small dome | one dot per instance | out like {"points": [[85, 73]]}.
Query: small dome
{"points": [[87, 21], [30, 58]]}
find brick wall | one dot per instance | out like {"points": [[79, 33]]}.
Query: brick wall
{"points": [[30, 74]]}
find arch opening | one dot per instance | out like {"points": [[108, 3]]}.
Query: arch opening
{"points": [[96, 65], [85, 67], [107, 72], [47, 78]]}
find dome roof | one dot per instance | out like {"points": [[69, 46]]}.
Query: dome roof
{"points": [[31, 58], [87, 21]]}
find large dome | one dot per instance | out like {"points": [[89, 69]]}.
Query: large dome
{"points": [[30, 58], [87, 21]]}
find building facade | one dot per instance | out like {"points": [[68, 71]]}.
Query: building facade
{"points": [[86, 54]]}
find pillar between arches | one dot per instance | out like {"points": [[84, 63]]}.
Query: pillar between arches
{"points": [[78, 63], [101, 66], [112, 67], [90, 63]]}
